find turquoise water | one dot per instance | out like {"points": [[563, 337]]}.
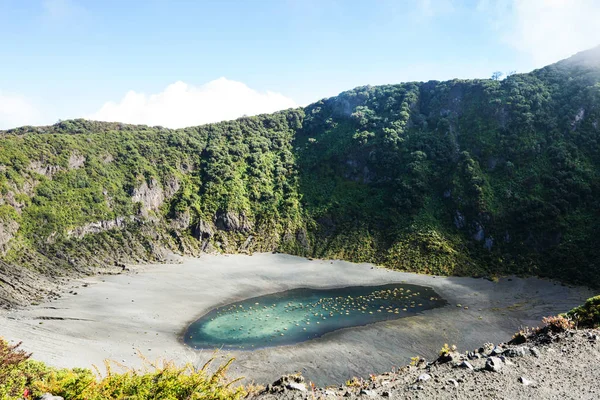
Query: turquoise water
{"points": [[298, 315]]}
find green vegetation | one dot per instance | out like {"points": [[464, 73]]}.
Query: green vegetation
{"points": [[470, 177], [20, 376], [588, 314]]}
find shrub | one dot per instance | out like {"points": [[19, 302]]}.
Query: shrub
{"points": [[521, 336], [587, 315], [445, 350], [20, 375], [12, 377], [558, 323]]}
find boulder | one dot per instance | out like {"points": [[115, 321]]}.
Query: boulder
{"points": [[424, 378], [520, 351], [287, 382], [369, 393], [493, 364], [301, 387], [466, 365], [525, 381]]}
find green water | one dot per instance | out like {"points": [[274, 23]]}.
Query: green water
{"points": [[298, 315]]}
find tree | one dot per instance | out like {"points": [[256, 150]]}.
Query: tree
{"points": [[497, 75]]}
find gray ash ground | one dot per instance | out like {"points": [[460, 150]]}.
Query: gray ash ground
{"points": [[548, 365]]}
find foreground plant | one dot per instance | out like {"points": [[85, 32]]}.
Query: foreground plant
{"points": [[12, 378], [21, 377], [588, 314]]}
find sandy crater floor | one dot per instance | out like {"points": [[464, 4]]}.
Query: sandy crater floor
{"points": [[149, 308]]}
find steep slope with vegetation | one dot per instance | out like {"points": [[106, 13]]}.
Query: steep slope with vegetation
{"points": [[471, 177]]}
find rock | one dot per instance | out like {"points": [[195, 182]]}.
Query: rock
{"points": [[149, 194], [76, 160], [47, 170], [467, 365], [487, 348], [181, 221], [535, 352], [459, 220], [48, 396], [369, 393], [290, 382], [385, 393], [203, 230], [246, 243], [453, 382], [302, 239], [497, 351], [479, 234], [232, 222], [506, 360], [424, 378], [297, 386], [172, 185], [525, 381], [8, 229], [450, 356], [520, 351], [493, 364], [100, 226]]}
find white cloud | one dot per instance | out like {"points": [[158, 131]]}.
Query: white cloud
{"points": [[546, 30], [181, 104], [16, 110]]}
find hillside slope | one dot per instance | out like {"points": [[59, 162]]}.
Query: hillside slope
{"points": [[471, 177]]}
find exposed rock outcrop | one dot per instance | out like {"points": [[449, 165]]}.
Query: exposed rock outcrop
{"points": [[171, 186], [8, 229], [231, 222], [181, 221], [47, 170], [151, 196], [100, 226], [76, 160], [203, 230]]}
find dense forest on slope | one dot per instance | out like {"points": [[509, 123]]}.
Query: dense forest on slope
{"points": [[470, 177]]}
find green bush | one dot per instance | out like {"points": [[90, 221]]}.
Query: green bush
{"points": [[19, 374], [588, 314]]}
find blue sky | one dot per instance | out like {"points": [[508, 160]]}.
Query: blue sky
{"points": [[159, 61]]}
